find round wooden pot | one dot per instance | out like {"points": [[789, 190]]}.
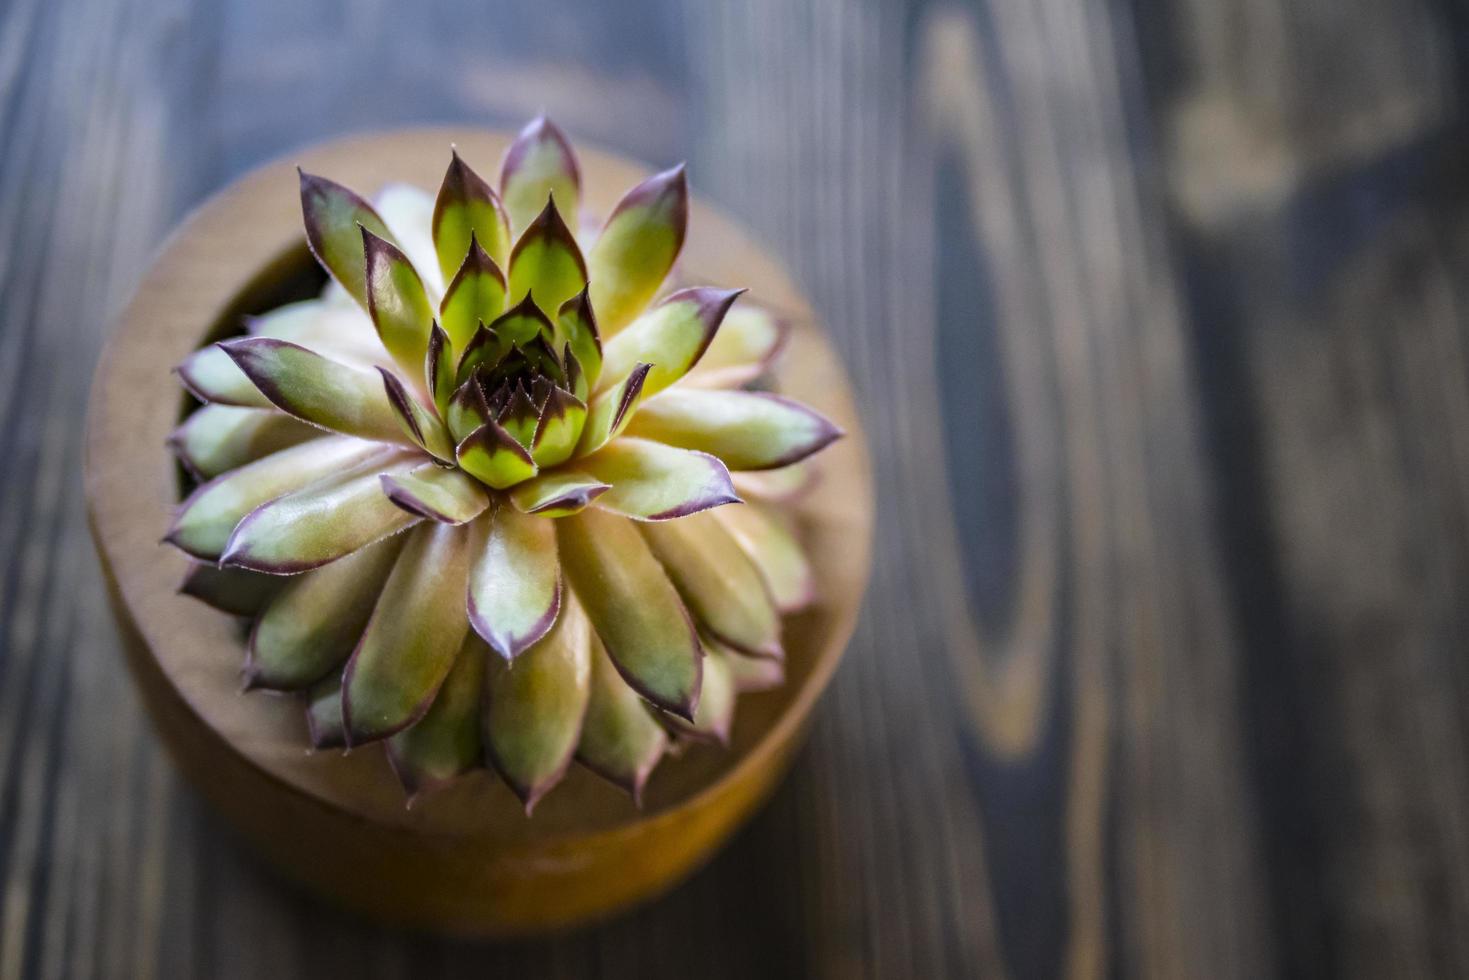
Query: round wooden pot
{"points": [[465, 859]]}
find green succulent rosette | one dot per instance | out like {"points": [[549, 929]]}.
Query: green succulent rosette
{"points": [[474, 496]]}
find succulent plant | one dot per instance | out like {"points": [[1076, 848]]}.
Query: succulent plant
{"points": [[473, 496]]}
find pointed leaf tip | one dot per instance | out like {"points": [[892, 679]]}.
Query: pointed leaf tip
{"points": [[546, 261], [638, 246], [539, 163], [748, 430], [514, 580], [332, 216], [467, 208]]}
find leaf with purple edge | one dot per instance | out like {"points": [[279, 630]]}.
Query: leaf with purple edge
{"points": [[633, 607], [557, 494], [671, 336], [205, 520], [620, 739], [577, 328], [218, 438], [514, 580], [419, 424], [438, 370], [486, 349], [714, 717], [748, 430], [445, 743], [523, 323], [747, 344], [467, 208], [534, 706], [324, 714], [230, 590], [315, 621], [769, 543], [416, 630], [397, 302], [213, 377], [539, 164], [321, 522], [546, 262], [468, 410], [440, 494], [654, 482], [333, 215], [637, 247], [609, 413], [718, 582], [491, 455], [317, 389], [476, 295], [558, 429], [519, 416]]}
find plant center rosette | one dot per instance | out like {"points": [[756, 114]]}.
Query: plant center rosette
{"points": [[495, 498]]}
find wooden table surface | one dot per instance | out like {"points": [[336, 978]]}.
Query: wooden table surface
{"points": [[1158, 311]]}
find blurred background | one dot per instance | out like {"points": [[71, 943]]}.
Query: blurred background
{"points": [[1157, 312]]}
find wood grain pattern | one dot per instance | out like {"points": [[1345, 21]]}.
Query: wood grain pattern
{"points": [[1156, 310]]}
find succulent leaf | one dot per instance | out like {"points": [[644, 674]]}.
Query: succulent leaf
{"points": [[577, 325], [749, 430], [444, 495], [205, 520], [520, 417], [609, 413], [397, 302], [321, 522], [411, 641], [445, 743], [654, 482], [475, 295], [334, 216], [231, 590], [633, 608], [522, 323], [718, 582], [212, 376], [558, 429], [467, 208], [317, 389], [313, 624], [748, 342], [324, 723], [715, 715], [421, 426], [620, 740], [218, 438], [672, 337], [539, 164], [638, 246], [776, 553], [468, 410], [494, 457], [438, 370], [557, 494], [546, 262], [514, 580], [534, 707]]}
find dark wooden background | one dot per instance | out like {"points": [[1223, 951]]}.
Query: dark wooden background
{"points": [[1158, 309]]}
